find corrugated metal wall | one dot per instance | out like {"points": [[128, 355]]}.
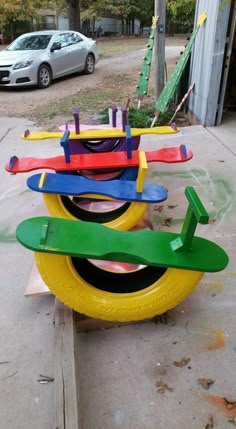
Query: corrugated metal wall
{"points": [[207, 59]]}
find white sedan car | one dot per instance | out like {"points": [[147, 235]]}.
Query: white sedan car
{"points": [[39, 57]]}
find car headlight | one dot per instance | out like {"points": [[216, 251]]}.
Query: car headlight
{"points": [[22, 64]]}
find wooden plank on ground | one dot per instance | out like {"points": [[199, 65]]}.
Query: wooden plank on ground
{"points": [[86, 324], [67, 414]]}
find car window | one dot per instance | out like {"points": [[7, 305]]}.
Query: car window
{"points": [[63, 39], [34, 43], [74, 38]]}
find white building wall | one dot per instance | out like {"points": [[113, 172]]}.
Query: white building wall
{"points": [[114, 25], [63, 23], [109, 25], [136, 26]]}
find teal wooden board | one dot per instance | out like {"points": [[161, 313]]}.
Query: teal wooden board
{"points": [[142, 86], [173, 81], [95, 241]]}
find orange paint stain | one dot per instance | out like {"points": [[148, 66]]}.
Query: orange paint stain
{"points": [[213, 287], [218, 341], [232, 275], [222, 404], [212, 339]]}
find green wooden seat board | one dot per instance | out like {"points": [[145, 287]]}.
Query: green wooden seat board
{"points": [[142, 86], [95, 241], [173, 81]]}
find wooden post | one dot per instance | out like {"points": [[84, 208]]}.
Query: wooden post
{"points": [[159, 49]]}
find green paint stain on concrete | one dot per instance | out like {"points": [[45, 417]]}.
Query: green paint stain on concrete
{"points": [[158, 219], [6, 236], [120, 417], [219, 192], [180, 174], [177, 221], [224, 198]]}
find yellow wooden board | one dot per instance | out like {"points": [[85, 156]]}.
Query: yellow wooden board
{"points": [[100, 134]]}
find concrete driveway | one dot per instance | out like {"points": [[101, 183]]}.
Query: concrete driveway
{"points": [[22, 102]]}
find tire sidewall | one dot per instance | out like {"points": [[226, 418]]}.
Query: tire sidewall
{"points": [[63, 281], [124, 222]]}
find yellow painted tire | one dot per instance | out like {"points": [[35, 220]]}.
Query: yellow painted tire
{"points": [[129, 218], [64, 282]]}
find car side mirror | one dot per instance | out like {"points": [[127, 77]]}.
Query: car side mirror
{"points": [[55, 47]]}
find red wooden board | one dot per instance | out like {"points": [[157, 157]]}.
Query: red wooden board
{"points": [[98, 160]]}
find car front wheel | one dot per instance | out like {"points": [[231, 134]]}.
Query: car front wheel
{"points": [[89, 64], [44, 76]]}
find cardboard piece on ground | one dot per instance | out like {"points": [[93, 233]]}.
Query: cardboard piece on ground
{"points": [[36, 285]]}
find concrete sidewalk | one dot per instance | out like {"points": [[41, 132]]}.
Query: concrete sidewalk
{"points": [[119, 368], [129, 377], [26, 324], [225, 133]]}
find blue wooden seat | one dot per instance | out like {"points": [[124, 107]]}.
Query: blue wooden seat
{"points": [[66, 184]]}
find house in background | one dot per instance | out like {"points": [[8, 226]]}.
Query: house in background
{"points": [[213, 65], [48, 19], [111, 25]]}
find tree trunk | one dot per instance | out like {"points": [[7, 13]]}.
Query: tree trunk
{"points": [[93, 30], [127, 27], [86, 27], [74, 14], [13, 30], [122, 27], [133, 28]]}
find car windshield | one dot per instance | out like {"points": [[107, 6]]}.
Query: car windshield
{"points": [[30, 43]]}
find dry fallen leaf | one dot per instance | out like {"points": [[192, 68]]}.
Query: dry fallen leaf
{"points": [[182, 362], [162, 371], [167, 221], [230, 403], [206, 382], [158, 208], [165, 318], [210, 423], [211, 221], [232, 420], [170, 206], [163, 387]]}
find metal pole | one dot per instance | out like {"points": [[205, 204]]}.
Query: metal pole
{"points": [[159, 48]]}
